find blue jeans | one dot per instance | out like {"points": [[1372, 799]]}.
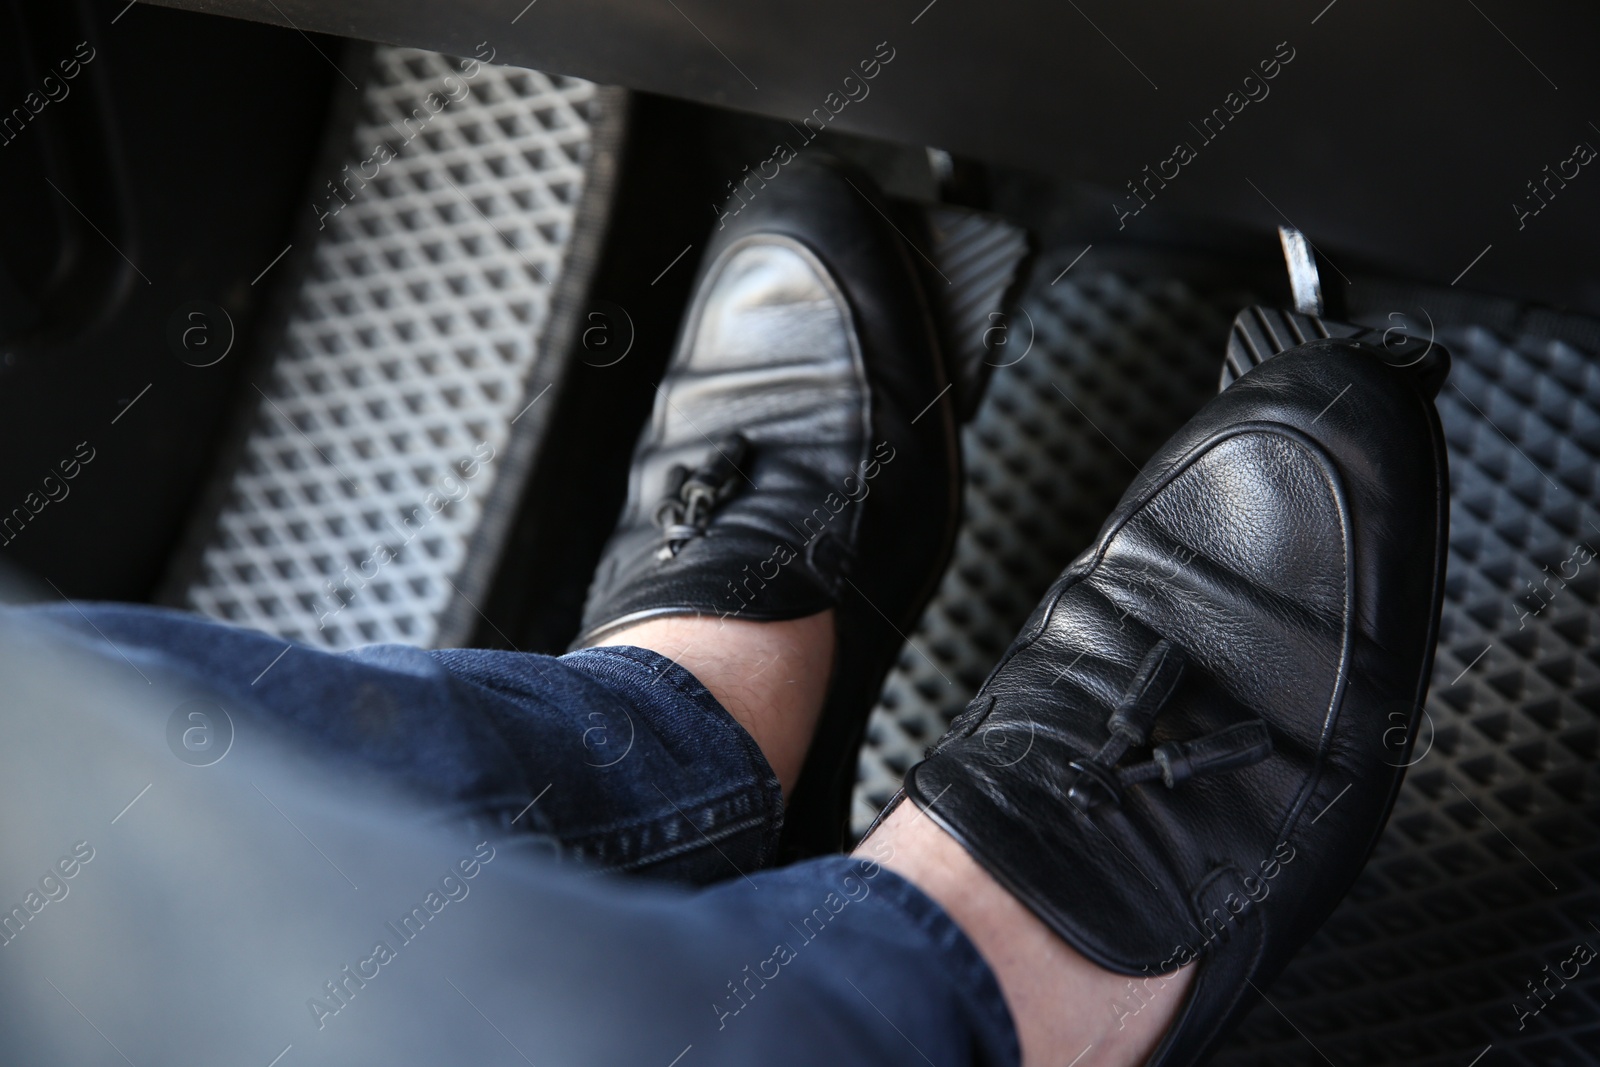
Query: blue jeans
{"points": [[272, 848]]}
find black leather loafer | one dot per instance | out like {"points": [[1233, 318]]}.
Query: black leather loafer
{"points": [[802, 455], [1191, 748]]}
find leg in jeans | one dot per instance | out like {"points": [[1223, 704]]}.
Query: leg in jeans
{"points": [[419, 718], [615, 757], [277, 903]]}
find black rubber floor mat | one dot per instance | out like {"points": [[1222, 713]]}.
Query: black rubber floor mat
{"points": [[1464, 935], [1460, 942]]}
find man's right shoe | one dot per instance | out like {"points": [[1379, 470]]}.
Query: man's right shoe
{"points": [[1189, 752]]}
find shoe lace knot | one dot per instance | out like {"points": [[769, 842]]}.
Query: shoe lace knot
{"points": [[1099, 777], [685, 512]]}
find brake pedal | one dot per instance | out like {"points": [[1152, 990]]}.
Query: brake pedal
{"points": [[1259, 333]]}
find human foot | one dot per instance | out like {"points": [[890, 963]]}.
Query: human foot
{"points": [[801, 457], [1187, 754]]}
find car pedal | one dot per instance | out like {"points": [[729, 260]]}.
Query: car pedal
{"points": [[1259, 333], [977, 260]]}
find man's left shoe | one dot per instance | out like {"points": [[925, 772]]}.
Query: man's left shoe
{"points": [[1191, 748], [802, 456]]}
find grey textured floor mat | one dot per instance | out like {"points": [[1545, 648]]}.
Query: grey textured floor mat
{"points": [[384, 454], [1489, 871]]}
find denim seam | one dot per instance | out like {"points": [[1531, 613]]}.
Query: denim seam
{"points": [[728, 830], [629, 663], [746, 816], [654, 837], [740, 798]]}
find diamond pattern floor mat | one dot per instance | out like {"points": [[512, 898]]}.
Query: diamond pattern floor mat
{"points": [[381, 436]]}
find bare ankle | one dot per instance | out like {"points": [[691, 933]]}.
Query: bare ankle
{"points": [[772, 677], [1062, 1004]]}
